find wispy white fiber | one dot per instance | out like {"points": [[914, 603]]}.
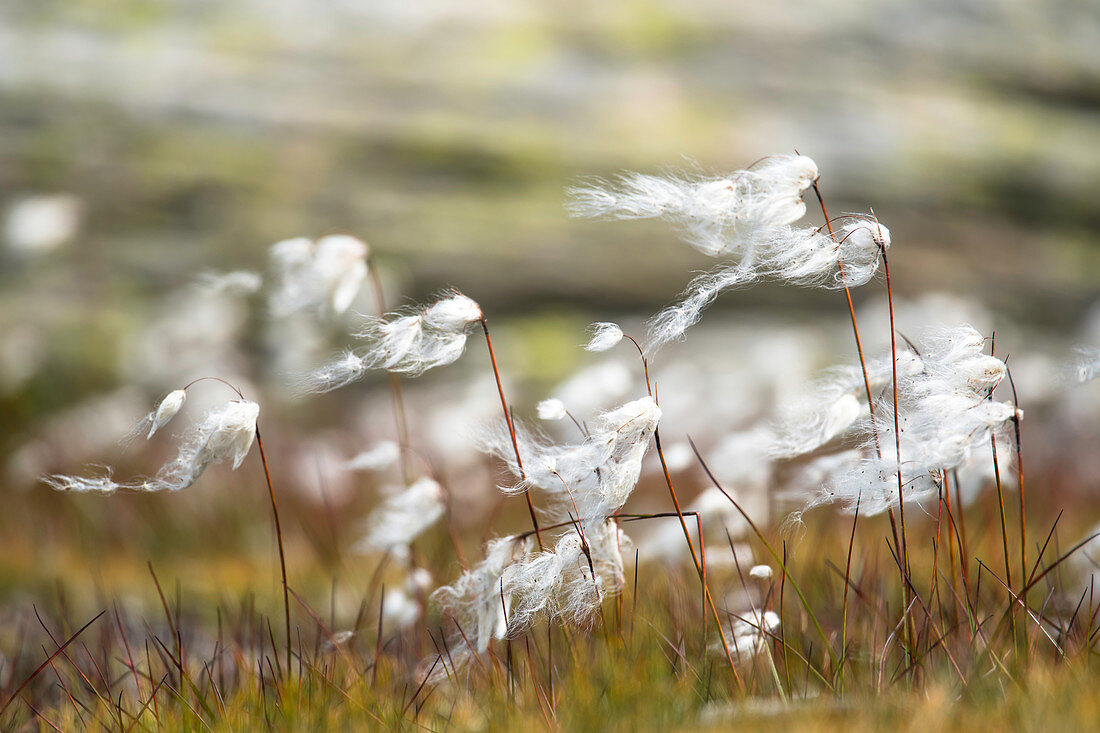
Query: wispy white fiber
{"points": [[945, 414], [714, 214], [805, 256], [224, 433], [593, 477], [409, 344]]}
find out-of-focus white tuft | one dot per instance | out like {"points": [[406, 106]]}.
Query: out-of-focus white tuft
{"points": [[238, 282], [749, 634], [761, 572], [595, 388], [317, 276], [604, 336], [551, 409], [410, 344], [399, 611], [1088, 364], [40, 224], [403, 517], [381, 455]]}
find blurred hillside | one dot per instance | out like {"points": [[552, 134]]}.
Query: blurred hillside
{"points": [[193, 134]]}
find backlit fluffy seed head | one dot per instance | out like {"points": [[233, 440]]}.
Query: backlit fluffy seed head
{"points": [[478, 600], [604, 336], [403, 517], [807, 257], [166, 410], [551, 409], [381, 455], [593, 477], [712, 213], [453, 313], [224, 433], [761, 572], [410, 344]]}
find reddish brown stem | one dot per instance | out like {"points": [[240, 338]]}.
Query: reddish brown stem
{"points": [[511, 429], [282, 552]]}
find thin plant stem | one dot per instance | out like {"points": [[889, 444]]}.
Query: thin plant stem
{"points": [[511, 429], [399, 415], [282, 552], [1020, 487], [897, 442]]}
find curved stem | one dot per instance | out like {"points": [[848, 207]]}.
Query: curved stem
{"points": [[282, 553]]}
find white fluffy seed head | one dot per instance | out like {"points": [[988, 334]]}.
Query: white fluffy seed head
{"points": [[453, 313], [224, 433], [551, 409], [166, 410], [604, 336], [761, 572]]}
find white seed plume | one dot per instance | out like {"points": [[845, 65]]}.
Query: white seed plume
{"points": [[453, 313], [761, 572], [714, 214], [322, 275], [381, 455], [551, 409], [403, 517], [224, 433], [159, 417], [410, 344], [166, 410], [594, 477], [476, 600], [805, 256], [945, 414], [604, 336], [834, 405]]}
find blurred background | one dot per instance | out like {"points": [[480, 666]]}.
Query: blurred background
{"points": [[145, 142]]}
